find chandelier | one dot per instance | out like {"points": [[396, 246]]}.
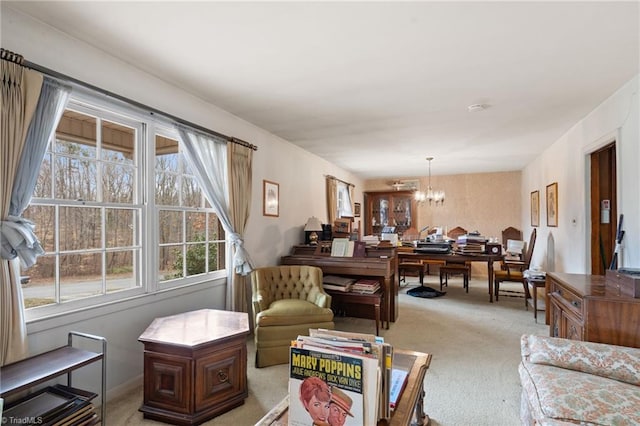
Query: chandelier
{"points": [[430, 195]]}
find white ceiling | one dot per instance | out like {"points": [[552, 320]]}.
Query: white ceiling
{"points": [[375, 87]]}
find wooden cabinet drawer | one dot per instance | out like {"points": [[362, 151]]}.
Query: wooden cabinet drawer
{"points": [[585, 307], [220, 377], [167, 381], [569, 300]]}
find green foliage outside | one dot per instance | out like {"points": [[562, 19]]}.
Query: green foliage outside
{"points": [[196, 255]]}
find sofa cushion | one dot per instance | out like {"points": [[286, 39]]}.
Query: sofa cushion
{"points": [[293, 311], [610, 361], [562, 395]]}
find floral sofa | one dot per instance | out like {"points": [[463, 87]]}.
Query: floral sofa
{"points": [[567, 382]]}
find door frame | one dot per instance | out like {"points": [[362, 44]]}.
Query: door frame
{"points": [[611, 138]]}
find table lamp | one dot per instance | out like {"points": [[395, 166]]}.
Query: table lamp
{"points": [[311, 229]]}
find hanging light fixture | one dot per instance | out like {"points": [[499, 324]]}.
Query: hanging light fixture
{"points": [[430, 195]]}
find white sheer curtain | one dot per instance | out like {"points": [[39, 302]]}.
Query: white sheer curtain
{"points": [[345, 204], [207, 156], [18, 237]]}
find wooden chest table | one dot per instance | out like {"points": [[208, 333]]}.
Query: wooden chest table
{"points": [[195, 366]]}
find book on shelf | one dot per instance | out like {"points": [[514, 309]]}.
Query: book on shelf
{"points": [[347, 335], [334, 287], [355, 347], [385, 397], [366, 286], [338, 280], [378, 353], [337, 283], [360, 249], [322, 382], [398, 383]]}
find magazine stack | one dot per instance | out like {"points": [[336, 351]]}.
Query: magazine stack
{"points": [[365, 286], [337, 283], [339, 378], [471, 244]]}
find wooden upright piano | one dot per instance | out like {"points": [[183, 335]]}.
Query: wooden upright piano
{"points": [[379, 263]]}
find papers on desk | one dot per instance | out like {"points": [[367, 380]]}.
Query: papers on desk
{"points": [[371, 240], [515, 246], [528, 273]]}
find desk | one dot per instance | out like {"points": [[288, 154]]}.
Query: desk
{"points": [[410, 409], [404, 255], [383, 268]]}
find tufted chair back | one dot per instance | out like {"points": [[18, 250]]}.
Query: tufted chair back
{"points": [[288, 300], [288, 282]]}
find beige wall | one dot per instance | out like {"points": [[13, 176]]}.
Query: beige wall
{"points": [[484, 202], [567, 247]]}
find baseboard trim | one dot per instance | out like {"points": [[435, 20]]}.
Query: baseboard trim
{"points": [[125, 388]]}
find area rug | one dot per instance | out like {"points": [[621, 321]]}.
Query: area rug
{"points": [[425, 292]]}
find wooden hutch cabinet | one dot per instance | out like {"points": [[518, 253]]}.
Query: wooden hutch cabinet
{"points": [[583, 307], [393, 208]]}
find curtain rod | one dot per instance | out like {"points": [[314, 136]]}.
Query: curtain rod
{"points": [[14, 57], [8, 55], [340, 180]]}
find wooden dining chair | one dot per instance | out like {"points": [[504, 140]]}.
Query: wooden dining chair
{"points": [[456, 268], [510, 233], [513, 271]]}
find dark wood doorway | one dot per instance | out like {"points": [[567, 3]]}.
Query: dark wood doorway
{"points": [[604, 212]]}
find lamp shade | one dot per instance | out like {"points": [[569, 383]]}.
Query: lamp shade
{"points": [[313, 224]]}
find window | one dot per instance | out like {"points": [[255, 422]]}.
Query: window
{"points": [[104, 237], [191, 240], [344, 200]]}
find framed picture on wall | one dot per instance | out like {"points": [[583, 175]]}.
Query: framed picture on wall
{"points": [[356, 209], [535, 208], [270, 198], [552, 204]]}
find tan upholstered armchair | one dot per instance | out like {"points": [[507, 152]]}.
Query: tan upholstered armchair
{"points": [[287, 302]]}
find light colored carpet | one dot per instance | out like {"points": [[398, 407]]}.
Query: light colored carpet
{"points": [[473, 378]]}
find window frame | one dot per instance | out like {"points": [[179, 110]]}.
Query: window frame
{"points": [[148, 125]]}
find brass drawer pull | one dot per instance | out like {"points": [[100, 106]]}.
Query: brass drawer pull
{"points": [[222, 376]]}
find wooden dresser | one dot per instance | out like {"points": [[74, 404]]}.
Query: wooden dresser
{"points": [[583, 307]]}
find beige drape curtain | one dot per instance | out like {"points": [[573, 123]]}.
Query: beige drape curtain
{"points": [[240, 177], [332, 199], [20, 91]]}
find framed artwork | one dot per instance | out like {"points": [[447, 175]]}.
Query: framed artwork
{"points": [[552, 204], [342, 225], [356, 209], [535, 208], [270, 198]]}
